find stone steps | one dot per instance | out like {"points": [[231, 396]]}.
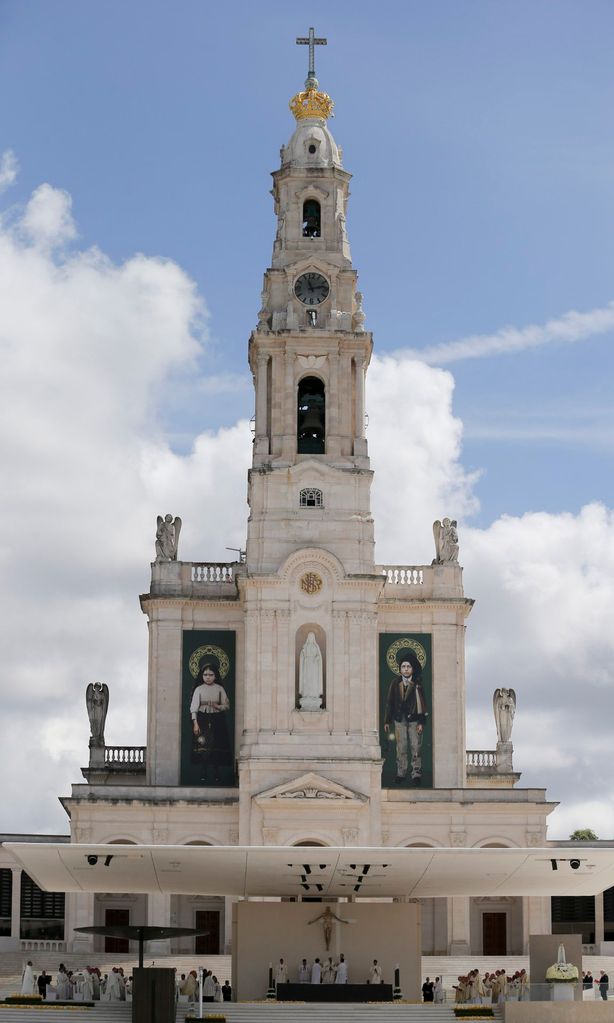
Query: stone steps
{"points": [[252, 1012]]}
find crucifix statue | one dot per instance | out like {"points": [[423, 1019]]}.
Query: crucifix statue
{"points": [[311, 41], [327, 918]]}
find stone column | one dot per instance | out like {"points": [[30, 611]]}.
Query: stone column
{"points": [[80, 914], [346, 427], [333, 440], [229, 900], [158, 915], [261, 438], [536, 918], [252, 697], [459, 934], [289, 409], [599, 923], [359, 425], [16, 903]]}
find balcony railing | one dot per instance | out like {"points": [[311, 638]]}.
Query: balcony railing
{"points": [[125, 756], [404, 575], [481, 758], [41, 945], [213, 571]]}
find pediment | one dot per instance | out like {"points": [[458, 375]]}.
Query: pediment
{"points": [[310, 786]]}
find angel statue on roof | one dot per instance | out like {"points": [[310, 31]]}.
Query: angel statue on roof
{"points": [[97, 703], [167, 537]]}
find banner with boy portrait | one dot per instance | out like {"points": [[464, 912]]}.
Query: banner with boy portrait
{"points": [[406, 709], [208, 708]]}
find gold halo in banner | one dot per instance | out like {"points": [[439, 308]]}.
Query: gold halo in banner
{"points": [[210, 651], [404, 644]]}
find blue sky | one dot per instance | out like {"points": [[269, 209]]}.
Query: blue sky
{"points": [[479, 136], [481, 141]]}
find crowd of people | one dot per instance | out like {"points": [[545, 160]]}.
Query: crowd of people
{"points": [[91, 985], [599, 984], [213, 991], [328, 972], [492, 988], [86, 985]]}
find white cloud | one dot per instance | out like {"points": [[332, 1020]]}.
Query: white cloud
{"points": [[569, 328], [9, 168], [47, 219], [542, 625], [84, 345], [415, 446]]}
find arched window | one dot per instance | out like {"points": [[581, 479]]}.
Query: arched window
{"points": [[311, 218], [311, 417], [311, 497]]}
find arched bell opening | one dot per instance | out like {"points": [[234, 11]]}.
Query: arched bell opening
{"points": [[311, 417], [312, 215]]}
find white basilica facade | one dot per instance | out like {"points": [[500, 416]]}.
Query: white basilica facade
{"points": [[277, 709]]}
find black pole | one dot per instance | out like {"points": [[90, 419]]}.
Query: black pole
{"points": [[141, 947]]}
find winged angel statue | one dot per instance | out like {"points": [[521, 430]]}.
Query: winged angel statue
{"points": [[167, 537], [97, 703], [504, 707], [446, 541]]}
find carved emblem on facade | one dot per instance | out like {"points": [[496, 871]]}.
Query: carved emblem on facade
{"points": [[311, 793], [311, 583]]}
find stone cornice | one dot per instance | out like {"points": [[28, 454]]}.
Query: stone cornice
{"points": [[171, 601], [386, 604], [468, 800]]}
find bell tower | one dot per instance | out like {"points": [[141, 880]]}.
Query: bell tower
{"points": [[310, 479]]}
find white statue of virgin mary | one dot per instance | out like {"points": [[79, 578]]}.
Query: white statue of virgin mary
{"points": [[310, 676]]}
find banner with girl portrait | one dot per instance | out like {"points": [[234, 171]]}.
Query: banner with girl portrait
{"points": [[406, 709], [208, 708]]}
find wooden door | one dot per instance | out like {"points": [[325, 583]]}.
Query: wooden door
{"points": [[112, 918], [207, 944], [494, 934]]}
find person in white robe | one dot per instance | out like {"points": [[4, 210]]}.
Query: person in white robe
{"points": [[62, 986], [87, 986], [28, 986], [316, 972], [438, 991], [342, 971], [217, 996], [328, 972], [113, 992], [304, 972], [281, 973], [375, 973], [209, 987]]}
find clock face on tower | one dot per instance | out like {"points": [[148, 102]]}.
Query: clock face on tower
{"points": [[311, 288]]}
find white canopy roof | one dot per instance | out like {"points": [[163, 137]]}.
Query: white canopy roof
{"points": [[315, 871]]}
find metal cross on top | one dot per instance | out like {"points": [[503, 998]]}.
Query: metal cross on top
{"points": [[311, 41]]}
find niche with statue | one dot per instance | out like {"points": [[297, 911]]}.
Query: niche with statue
{"points": [[310, 660]]}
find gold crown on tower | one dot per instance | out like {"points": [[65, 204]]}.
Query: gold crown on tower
{"points": [[311, 102]]}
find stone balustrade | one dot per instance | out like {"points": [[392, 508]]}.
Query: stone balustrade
{"points": [[195, 579], [422, 582], [41, 945], [404, 575], [481, 758], [213, 572], [125, 756]]}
